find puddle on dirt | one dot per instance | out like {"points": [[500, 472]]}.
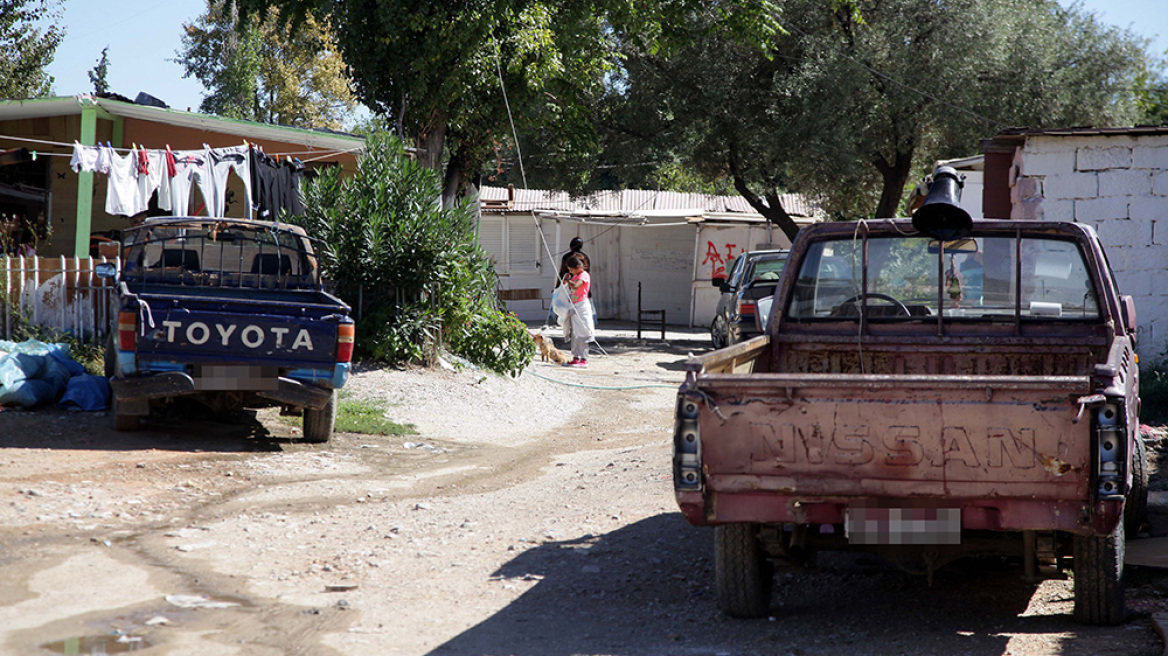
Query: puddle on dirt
{"points": [[121, 644]]}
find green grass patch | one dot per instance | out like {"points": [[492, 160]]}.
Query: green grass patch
{"points": [[368, 418], [361, 416]]}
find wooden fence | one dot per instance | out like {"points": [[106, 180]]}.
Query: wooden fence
{"points": [[58, 293]]}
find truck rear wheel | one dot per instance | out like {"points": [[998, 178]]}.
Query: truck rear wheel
{"points": [[318, 424], [1099, 585], [1136, 509], [743, 572]]}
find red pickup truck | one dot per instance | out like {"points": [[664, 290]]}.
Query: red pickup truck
{"points": [[925, 398]]}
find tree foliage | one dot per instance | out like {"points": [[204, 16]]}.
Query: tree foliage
{"points": [[99, 75], [452, 76], [25, 48], [255, 70], [411, 267], [851, 101]]}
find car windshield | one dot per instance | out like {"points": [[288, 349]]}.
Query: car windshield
{"points": [[974, 278]]}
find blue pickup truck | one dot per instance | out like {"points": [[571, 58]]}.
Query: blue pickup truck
{"points": [[230, 312]]}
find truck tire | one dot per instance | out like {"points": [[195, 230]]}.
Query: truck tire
{"points": [[123, 422], [318, 424], [1099, 585], [743, 572], [1135, 511]]}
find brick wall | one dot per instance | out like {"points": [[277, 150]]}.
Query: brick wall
{"points": [[1119, 186]]}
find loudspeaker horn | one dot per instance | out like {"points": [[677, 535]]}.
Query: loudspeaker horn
{"points": [[941, 215]]}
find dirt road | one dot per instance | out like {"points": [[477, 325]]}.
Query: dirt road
{"points": [[527, 517]]}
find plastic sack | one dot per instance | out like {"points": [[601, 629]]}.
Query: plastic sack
{"points": [[34, 373], [30, 380], [86, 392], [561, 302]]}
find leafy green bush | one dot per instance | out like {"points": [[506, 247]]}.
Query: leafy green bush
{"points": [[1154, 393], [411, 268]]}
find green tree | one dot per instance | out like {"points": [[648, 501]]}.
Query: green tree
{"points": [[453, 75], [255, 70], [847, 105], [99, 75], [25, 48], [411, 268]]}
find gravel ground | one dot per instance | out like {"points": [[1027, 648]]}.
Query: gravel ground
{"points": [[529, 516]]}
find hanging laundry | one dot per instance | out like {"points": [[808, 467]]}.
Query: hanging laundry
{"points": [[123, 196], [222, 162], [84, 158], [275, 185], [191, 166], [154, 163], [105, 153]]}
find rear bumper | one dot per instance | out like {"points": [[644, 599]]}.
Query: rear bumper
{"points": [[135, 391], [990, 514]]}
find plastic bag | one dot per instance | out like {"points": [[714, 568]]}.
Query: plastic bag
{"points": [[34, 373], [561, 302], [86, 392]]}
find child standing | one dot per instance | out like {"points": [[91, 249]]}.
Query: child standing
{"points": [[578, 328]]}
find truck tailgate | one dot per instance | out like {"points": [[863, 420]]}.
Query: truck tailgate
{"points": [[238, 332], [895, 436]]}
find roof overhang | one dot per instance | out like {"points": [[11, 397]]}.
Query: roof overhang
{"points": [[650, 218], [46, 107]]}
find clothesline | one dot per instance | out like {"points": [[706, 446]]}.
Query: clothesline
{"points": [[270, 185], [327, 153]]}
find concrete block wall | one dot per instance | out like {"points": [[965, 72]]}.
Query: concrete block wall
{"points": [[1119, 186]]}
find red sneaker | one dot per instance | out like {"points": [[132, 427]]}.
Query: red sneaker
{"points": [[580, 363]]}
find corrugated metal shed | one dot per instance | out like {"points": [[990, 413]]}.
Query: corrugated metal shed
{"points": [[629, 201]]}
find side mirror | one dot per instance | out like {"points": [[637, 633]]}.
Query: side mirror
{"points": [[107, 270], [1127, 306], [718, 282]]}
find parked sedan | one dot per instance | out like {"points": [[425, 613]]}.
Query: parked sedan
{"points": [[753, 275]]}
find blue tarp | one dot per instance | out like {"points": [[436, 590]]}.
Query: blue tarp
{"points": [[34, 373]]}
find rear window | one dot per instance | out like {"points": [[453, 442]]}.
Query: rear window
{"points": [[974, 278], [219, 255]]}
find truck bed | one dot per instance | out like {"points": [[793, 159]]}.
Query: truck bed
{"points": [[778, 446]]}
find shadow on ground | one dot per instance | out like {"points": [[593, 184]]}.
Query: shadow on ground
{"points": [[186, 427], [649, 589]]}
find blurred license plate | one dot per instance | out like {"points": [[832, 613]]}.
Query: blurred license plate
{"points": [[903, 525], [236, 377]]}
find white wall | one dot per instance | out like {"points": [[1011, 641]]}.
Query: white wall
{"points": [[674, 262], [661, 259], [717, 246], [1119, 186]]}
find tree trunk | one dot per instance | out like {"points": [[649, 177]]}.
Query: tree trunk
{"points": [[771, 208], [895, 175], [456, 172], [430, 145]]}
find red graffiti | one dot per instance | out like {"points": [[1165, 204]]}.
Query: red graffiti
{"points": [[717, 261]]}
